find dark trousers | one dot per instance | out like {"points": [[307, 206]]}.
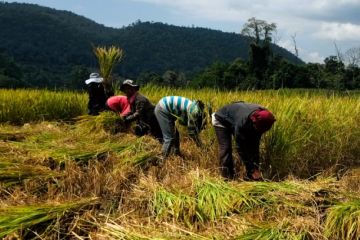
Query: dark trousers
{"points": [[225, 152]]}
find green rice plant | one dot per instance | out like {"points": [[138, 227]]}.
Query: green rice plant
{"points": [[343, 221], [215, 199], [179, 206], [26, 218], [279, 232]]}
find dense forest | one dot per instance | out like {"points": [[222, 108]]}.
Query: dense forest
{"points": [[44, 47]]}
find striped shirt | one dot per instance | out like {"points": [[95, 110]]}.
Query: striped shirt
{"points": [[186, 110]]}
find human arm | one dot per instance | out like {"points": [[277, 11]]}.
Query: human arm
{"points": [[136, 112], [194, 130]]}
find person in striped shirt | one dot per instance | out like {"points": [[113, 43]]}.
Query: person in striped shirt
{"points": [[189, 113]]}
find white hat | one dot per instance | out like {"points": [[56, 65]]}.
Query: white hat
{"points": [[94, 77], [129, 82]]}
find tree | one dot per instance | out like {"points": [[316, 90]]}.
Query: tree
{"points": [[334, 72], [77, 76], [258, 29], [235, 75], [352, 56], [296, 50], [10, 72], [260, 51]]}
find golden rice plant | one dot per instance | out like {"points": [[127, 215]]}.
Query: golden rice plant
{"points": [[107, 58], [314, 131], [343, 221], [106, 121], [12, 173], [19, 106], [114, 230]]}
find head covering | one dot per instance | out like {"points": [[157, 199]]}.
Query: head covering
{"points": [[94, 77], [119, 104], [129, 82], [263, 120]]}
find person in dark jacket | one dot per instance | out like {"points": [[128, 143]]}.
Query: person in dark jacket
{"points": [[97, 95], [246, 122], [141, 111]]}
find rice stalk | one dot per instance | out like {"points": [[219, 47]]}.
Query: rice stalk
{"points": [[107, 58], [282, 232], [27, 217], [106, 121], [343, 221], [179, 206], [116, 231], [15, 173]]}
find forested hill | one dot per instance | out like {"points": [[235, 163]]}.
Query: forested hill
{"points": [[49, 43]]}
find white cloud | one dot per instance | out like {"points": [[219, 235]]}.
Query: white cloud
{"points": [[317, 23], [287, 44], [313, 57], [338, 31]]}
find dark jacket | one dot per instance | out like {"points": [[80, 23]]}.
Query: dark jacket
{"points": [[97, 98], [141, 109], [236, 117]]}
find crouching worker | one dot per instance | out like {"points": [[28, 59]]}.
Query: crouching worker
{"points": [[189, 113], [97, 95], [141, 111], [247, 122], [118, 104]]}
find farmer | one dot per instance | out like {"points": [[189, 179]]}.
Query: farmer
{"points": [[189, 113], [97, 96], [141, 111], [118, 104], [247, 122]]}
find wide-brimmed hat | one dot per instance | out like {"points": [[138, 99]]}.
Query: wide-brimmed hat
{"points": [[129, 82], [94, 77]]}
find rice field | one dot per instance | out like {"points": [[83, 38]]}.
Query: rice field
{"points": [[65, 175]]}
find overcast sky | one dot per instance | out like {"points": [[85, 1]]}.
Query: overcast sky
{"points": [[316, 24]]}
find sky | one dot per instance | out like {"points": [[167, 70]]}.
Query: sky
{"points": [[319, 27]]}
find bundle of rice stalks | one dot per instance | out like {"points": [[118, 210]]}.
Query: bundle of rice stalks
{"points": [[107, 58], [15, 173], [83, 156], [106, 121], [278, 232], [215, 199], [178, 206], [343, 221], [210, 199], [115, 231], [27, 218]]}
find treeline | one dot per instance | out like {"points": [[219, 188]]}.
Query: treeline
{"points": [[265, 71]]}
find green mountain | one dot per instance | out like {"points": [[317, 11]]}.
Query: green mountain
{"points": [[50, 45]]}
